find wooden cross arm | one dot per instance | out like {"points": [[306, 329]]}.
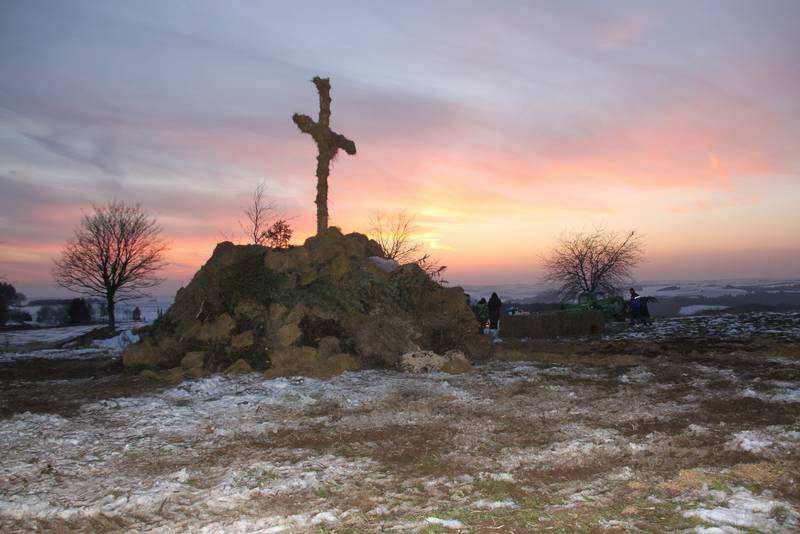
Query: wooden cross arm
{"points": [[323, 84], [344, 143], [304, 122]]}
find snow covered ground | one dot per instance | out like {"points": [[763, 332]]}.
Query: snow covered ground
{"points": [[620, 442], [16, 345], [723, 326], [43, 335], [699, 308]]}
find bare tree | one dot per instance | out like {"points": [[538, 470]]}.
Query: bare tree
{"points": [[394, 233], [115, 254], [259, 215], [588, 262], [279, 234]]}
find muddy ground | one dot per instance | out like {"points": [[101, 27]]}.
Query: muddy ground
{"points": [[688, 431]]}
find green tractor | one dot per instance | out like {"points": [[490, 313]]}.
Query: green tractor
{"points": [[612, 306]]}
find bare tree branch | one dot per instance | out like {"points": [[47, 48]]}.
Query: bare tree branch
{"points": [[588, 262], [394, 233], [260, 215], [432, 267], [115, 254]]}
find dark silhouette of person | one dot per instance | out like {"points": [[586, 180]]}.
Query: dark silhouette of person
{"points": [[494, 310], [635, 304], [644, 311]]}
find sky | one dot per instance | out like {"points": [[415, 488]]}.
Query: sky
{"points": [[499, 126]]}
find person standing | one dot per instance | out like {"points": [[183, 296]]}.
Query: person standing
{"points": [[494, 310], [481, 313], [634, 306]]}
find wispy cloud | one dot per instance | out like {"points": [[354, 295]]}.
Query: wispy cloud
{"points": [[510, 119]]}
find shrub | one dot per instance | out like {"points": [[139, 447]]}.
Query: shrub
{"points": [[78, 312], [51, 315], [19, 316]]}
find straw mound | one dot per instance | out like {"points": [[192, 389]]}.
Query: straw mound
{"points": [[315, 310], [554, 324]]}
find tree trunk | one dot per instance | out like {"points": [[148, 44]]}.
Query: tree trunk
{"points": [[110, 310]]}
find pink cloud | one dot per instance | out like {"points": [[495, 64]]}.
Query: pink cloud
{"points": [[621, 33]]}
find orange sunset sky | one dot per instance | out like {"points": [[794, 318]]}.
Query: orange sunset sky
{"points": [[500, 125]]}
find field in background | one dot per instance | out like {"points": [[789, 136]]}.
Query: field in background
{"points": [[674, 297]]}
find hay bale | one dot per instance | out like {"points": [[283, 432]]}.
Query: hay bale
{"points": [[193, 359], [243, 340], [287, 335], [307, 276], [248, 299], [339, 363], [293, 361], [582, 322], [421, 361], [457, 363], [219, 328], [307, 361], [328, 346], [338, 268], [239, 367], [150, 375], [425, 361], [550, 325], [143, 354], [277, 312], [382, 338], [284, 260], [250, 310]]}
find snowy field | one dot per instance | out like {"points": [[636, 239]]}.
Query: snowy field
{"points": [[605, 435], [743, 326], [44, 335], [41, 343], [694, 309]]}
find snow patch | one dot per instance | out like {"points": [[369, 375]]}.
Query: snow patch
{"points": [[55, 354], [750, 441], [742, 509], [493, 505], [768, 441], [45, 335], [639, 375], [446, 523], [779, 325], [777, 395], [697, 308], [118, 342]]}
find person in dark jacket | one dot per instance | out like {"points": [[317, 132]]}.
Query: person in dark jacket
{"points": [[644, 311], [481, 313], [634, 306], [494, 310]]}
